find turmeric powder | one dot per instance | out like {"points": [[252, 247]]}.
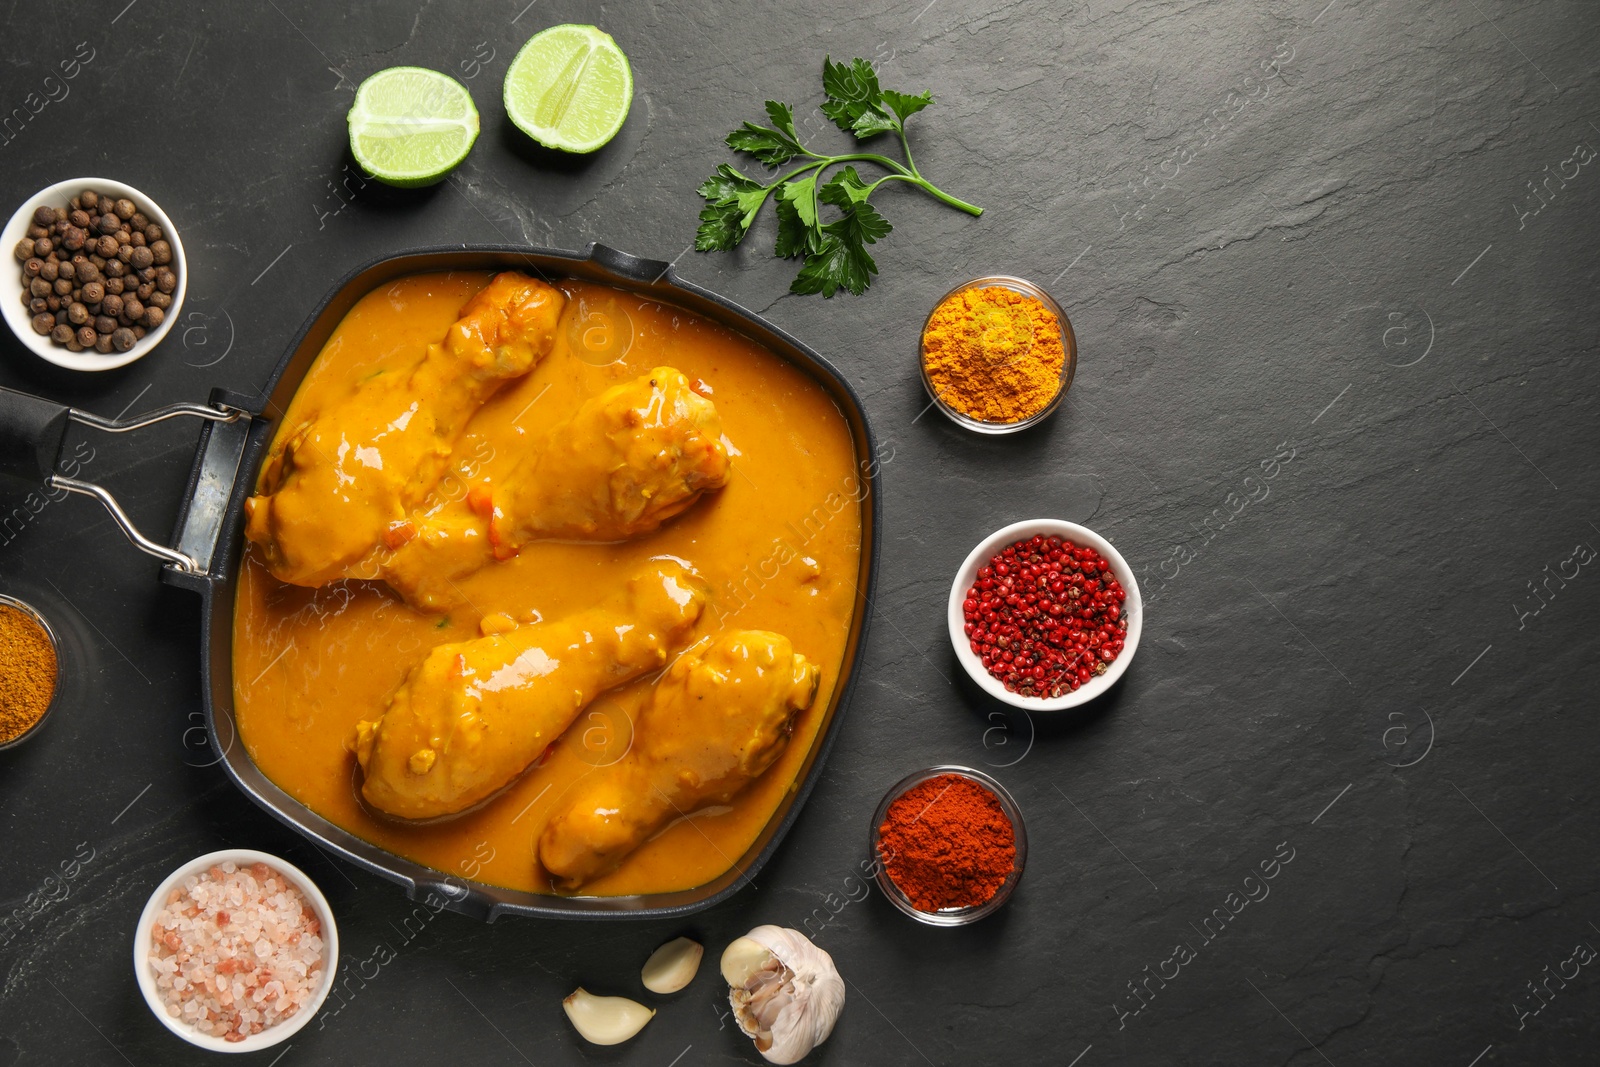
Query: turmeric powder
{"points": [[27, 672], [994, 354]]}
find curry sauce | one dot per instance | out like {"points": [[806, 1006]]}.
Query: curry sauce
{"points": [[779, 546]]}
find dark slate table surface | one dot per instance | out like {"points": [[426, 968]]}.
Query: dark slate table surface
{"points": [[1332, 268]]}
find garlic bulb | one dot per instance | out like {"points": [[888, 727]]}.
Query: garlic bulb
{"points": [[785, 992], [605, 1020], [672, 966]]}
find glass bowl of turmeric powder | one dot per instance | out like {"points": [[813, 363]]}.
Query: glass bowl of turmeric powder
{"points": [[997, 354], [30, 671]]}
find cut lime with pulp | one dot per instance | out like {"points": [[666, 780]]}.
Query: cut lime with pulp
{"points": [[411, 126], [569, 88]]}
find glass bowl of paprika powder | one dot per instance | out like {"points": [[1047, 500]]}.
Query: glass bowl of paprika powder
{"points": [[997, 354], [30, 671], [948, 845]]}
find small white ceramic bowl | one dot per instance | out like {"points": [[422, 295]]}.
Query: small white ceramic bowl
{"points": [[20, 319], [1132, 610], [271, 1036]]}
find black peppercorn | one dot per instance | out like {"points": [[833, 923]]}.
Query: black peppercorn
{"points": [[95, 274]]}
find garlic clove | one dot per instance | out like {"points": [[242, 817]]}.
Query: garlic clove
{"points": [[742, 959], [605, 1020], [785, 992], [672, 966]]}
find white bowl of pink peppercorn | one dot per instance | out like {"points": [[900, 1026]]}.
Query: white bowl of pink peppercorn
{"points": [[1044, 652]]}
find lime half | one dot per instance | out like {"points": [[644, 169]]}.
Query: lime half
{"points": [[411, 126], [569, 88]]}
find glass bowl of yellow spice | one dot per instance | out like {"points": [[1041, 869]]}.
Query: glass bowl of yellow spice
{"points": [[998, 354], [30, 670]]}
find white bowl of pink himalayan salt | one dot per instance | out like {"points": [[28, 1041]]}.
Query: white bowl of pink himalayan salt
{"points": [[236, 951]]}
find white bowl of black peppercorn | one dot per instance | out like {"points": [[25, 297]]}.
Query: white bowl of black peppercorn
{"points": [[20, 316]]}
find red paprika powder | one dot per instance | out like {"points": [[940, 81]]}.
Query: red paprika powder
{"points": [[947, 843]]}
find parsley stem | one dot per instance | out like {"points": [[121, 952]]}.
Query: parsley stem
{"points": [[932, 190], [857, 157], [905, 144]]}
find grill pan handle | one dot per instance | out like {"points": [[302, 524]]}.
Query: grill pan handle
{"points": [[32, 430]]}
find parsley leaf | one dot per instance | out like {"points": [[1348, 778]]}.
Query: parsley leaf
{"points": [[861, 224], [797, 218], [845, 190], [782, 116], [905, 106], [835, 251], [852, 90], [769, 146], [842, 260], [732, 203], [725, 184]]}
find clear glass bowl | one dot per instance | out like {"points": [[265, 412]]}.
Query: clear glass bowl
{"points": [[949, 916], [55, 646], [1069, 365]]}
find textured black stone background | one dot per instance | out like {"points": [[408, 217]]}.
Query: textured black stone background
{"points": [[1346, 264]]}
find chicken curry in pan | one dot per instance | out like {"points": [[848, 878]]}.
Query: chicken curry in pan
{"points": [[547, 586]]}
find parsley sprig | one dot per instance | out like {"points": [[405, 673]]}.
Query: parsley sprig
{"points": [[834, 249]]}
